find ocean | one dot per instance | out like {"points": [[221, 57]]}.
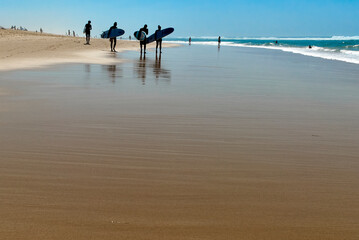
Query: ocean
{"points": [[338, 48]]}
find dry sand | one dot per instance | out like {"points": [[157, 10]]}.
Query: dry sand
{"points": [[74, 164], [23, 49]]}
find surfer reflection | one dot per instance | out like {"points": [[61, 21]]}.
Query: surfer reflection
{"points": [[141, 69], [113, 72], [158, 41], [159, 73], [113, 40], [87, 68], [157, 67]]}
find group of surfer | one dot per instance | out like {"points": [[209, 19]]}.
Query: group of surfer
{"points": [[113, 40], [219, 41]]}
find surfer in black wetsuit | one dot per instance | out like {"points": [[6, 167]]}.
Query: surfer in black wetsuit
{"points": [[145, 30], [158, 40], [87, 31], [113, 40], [219, 41]]}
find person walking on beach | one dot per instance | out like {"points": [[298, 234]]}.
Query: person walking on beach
{"points": [[158, 41], [145, 30], [189, 40], [219, 41], [113, 40], [87, 31]]}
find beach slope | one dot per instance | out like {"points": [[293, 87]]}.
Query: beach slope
{"points": [[23, 49]]}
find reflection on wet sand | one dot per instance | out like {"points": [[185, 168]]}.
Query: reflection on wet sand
{"points": [[87, 68], [141, 68], [114, 72], [159, 73]]}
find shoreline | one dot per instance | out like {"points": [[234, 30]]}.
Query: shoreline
{"points": [[315, 52], [28, 50]]}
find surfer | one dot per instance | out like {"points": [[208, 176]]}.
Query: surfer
{"points": [[158, 40], [145, 30], [87, 31], [189, 40], [219, 41], [113, 40]]}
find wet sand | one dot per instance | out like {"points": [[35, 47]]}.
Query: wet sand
{"points": [[202, 144]]}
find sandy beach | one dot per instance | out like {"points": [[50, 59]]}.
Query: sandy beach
{"points": [[204, 143], [23, 49]]}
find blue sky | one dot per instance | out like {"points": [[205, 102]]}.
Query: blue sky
{"points": [[231, 18]]}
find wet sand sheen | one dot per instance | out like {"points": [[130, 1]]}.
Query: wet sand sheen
{"points": [[180, 151]]}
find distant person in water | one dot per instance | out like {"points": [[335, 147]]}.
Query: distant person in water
{"points": [[310, 46], [189, 40], [219, 40], [158, 41], [276, 42], [87, 31], [145, 30], [113, 40]]}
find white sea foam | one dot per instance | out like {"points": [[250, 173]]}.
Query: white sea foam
{"points": [[319, 52], [333, 38], [354, 53], [345, 56]]}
